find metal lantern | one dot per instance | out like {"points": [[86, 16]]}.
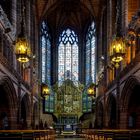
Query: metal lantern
{"points": [[117, 50], [91, 89], [45, 90], [22, 49]]}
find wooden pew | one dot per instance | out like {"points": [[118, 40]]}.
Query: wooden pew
{"points": [[37, 135], [121, 135], [135, 135], [27, 134], [108, 135], [10, 136]]}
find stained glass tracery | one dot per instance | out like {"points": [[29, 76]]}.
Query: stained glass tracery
{"points": [[68, 56], [90, 66], [90, 54], [45, 53], [46, 65]]}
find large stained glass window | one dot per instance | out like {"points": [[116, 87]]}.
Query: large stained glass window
{"points": [[68, 56], [90, 66], [45, 53], [46, 65], [90, 54]]}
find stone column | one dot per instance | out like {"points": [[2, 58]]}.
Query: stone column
{"points": [[123, 118], [124, 15]]}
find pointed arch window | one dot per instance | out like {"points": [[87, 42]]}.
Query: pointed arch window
{"points": [[90, 66], [90, 54], [45, 42], [45, 53], [68, 56]]}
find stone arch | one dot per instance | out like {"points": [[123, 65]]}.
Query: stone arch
{"points": [[130, 83], [9, 100], [129, 105], [111, 105]]}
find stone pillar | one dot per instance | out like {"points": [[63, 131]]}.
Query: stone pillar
{"points": [[14, 14], [13, 118], [81, 46], [123, 118], [124, 15]]}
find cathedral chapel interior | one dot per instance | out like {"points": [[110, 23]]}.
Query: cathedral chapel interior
{"points": [[69, 64]]}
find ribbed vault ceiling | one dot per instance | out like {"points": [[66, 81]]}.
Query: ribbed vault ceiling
{"points": [[68, 13]]}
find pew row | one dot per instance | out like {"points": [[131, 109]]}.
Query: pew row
{"points": [[110, 134], [27, 134]]}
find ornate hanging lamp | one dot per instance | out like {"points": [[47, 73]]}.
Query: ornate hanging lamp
{"points": [[45, 90], [22, 48], [117, 48], [91, 90]]}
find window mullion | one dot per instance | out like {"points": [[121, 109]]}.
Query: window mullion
{"points": [[71, 61]]}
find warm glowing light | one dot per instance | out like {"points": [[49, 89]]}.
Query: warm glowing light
{"points": [[45, 90], [22, 50], [117, 50], [91, 89]]}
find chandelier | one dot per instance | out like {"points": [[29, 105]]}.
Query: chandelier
{"points": [[91, 90], [45, 90], [22, 48], [117, 48]]}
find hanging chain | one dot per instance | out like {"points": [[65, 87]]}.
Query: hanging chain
{"points": [[118, 18]]}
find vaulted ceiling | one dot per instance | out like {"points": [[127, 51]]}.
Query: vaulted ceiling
{"points": [[75, 13], [68, 13]]}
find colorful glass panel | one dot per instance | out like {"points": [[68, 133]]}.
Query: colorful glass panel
{"points": [[90, 66], [68, 56], [46, 53], [46, 65], [90, 54]]}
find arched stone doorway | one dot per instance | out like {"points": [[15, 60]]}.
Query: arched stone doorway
{"points": [[111, 111], [8, 102], [130, 104]]}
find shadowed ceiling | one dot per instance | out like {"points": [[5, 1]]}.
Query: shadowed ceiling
{"points": [[68, 13], [75, 13]]}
